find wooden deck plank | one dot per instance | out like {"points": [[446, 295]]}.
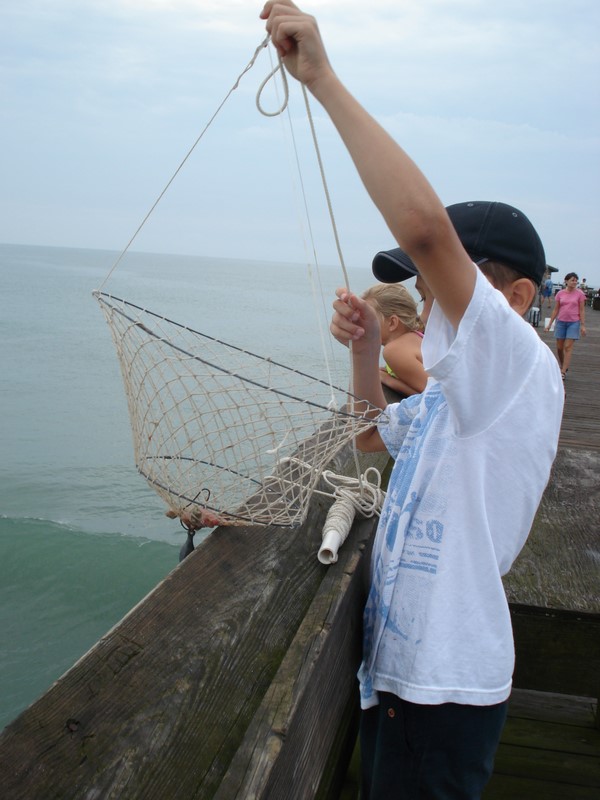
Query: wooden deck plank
{"points": [[559, 767], [556, 650], [559, 567], [552, 707], [509, 787], [580, 426], [552, 736], [550, 748]]}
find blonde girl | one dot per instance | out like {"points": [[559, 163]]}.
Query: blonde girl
{"points": [[401, 334]]}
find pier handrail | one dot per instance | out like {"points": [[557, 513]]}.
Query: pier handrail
{"points": [[234, 678]]}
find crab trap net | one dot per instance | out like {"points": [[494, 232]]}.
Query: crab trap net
{"points": [[221, 434]]}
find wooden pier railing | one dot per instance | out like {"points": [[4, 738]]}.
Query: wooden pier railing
{"points": [[234, 678]]}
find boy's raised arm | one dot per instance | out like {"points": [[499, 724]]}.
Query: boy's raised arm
{"points": [[412, 210]]}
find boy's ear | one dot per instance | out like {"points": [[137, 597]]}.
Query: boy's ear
{"points": [[520, 295]]}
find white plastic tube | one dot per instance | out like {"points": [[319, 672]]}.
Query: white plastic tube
{"points": [[336, 529]]}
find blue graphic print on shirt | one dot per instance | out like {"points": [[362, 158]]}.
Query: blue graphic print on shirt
{"points": [[407, 540]]}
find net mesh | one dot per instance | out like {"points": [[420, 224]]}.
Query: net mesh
{"points": [[220, 431]]}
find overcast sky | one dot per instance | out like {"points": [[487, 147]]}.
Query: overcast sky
{"points": [[101, 100]]}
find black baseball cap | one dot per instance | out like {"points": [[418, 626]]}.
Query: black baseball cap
{"points": [[489, 231]]}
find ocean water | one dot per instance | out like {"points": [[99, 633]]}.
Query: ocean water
{"points": [[82, 536]]}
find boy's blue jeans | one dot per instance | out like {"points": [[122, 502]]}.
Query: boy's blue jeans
{"points": [[422, 752]]}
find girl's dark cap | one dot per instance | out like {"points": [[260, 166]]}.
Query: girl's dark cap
{"points": [[489, 231]]}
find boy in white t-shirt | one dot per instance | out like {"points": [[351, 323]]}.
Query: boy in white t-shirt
{"points": [[469, 469]]}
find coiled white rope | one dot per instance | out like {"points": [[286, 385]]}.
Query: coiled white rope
{"points": [[352, 495]]}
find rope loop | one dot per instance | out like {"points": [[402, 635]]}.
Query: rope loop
{"points": [[286, 91]]}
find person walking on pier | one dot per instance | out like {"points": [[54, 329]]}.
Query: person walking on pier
{"points": [[546, 291], [472, 458], [569, 312]]}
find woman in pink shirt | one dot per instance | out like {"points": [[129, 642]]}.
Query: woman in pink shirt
{"points": [[569, 312]]}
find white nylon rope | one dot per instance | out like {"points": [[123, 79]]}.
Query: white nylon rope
{"points": [[367, 501], [352, 494], [286, 91], [284, 106], [246, 69]]}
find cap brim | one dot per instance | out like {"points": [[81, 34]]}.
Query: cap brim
{"points": [[393, 266]]}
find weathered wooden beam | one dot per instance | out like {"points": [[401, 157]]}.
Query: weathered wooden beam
{"points": [[309, 713], [236, 656], [556, 651]]}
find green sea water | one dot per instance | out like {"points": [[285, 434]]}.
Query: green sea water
{"points": [[62, 589]]}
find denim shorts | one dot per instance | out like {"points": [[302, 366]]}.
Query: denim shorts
{"points": [[566, 330]]}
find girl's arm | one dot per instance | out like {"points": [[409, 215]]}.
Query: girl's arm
{"points": [[582, 316], [396, 384]]}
